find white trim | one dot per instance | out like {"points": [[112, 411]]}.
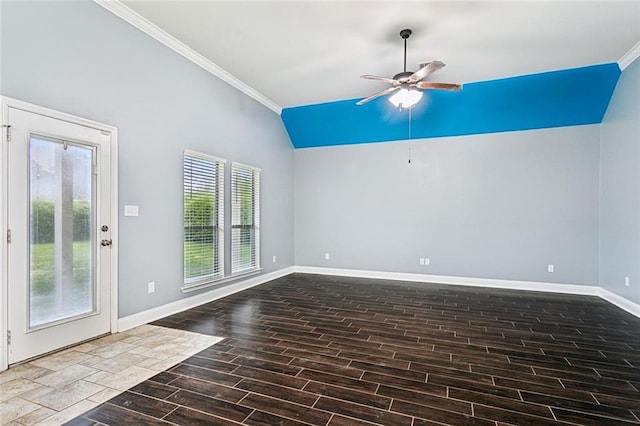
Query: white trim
{"points": [[4, 359], [628, 58], [6, 103], [135, 19], [245, 166], [144, 25], [466, 281], [210, 283], [58, 115], [197, 300], [239, 174], [217, 180], [203, 156], [587, 290], [626, 304], [114, 230], [156, 313]]}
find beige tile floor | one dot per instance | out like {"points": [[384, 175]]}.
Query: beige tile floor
{"points": [[56, 388]]}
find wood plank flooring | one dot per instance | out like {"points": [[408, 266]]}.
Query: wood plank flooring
{"points": [[310, 349]]}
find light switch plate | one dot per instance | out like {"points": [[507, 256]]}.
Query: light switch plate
{"points": [[131, 210]]}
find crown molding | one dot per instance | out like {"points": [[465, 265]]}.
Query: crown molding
{"points": [[628, 58], [135, 19]]}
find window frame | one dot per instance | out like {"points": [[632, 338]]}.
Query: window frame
{"points": [[255, 226], [219, 199]]}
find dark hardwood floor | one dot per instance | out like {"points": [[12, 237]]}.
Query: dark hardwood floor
{"points": [[309, 349]]}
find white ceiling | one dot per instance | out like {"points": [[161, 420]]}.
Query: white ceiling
{"points": [[306, 52]]}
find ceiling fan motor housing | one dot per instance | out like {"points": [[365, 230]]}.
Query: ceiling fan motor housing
{"points": [[405, 33], [404, 74]]}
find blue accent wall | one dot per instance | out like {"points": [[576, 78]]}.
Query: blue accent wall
{"points": [[552, 99]]}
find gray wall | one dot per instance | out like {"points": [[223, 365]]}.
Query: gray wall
{"points": [[620, 188], [489, 206], [78, 58]]}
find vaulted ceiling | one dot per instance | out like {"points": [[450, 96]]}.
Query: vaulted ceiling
{"points": [[299, 53], [309, 52]]}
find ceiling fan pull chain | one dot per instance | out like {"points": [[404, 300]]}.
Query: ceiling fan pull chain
{"points": [[409, 135]]}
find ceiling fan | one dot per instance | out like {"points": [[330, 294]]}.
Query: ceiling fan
{"points": [[407, 85]]}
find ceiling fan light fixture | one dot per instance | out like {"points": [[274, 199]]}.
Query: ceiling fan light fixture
{"points": [[406, 86], [406, 98]]}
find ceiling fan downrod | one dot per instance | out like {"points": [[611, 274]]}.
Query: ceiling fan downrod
{"points": [[405, 35]]}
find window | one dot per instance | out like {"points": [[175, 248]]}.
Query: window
{"points": [[203, 218], [245, 218]]}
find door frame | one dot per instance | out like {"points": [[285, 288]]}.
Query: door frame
{"points": [[7, 103]]}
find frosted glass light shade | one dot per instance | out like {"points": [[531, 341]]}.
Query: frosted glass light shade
{"points": [[406, 98]]}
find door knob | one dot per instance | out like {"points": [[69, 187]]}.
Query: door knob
{"points": [[105, 243]]}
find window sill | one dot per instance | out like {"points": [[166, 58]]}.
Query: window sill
{"points": [[188, 288]]}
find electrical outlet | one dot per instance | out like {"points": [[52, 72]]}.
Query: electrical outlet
{"points": [[427, 261], [274, 259], [626, 281], [151, 287], [422, 260], [550, 268], [326, 256]]}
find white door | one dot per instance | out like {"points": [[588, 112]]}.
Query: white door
{"points": [[59, 249]]}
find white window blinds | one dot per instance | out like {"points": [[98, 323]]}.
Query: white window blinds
{"points": [[203, 217], [245, 218]]}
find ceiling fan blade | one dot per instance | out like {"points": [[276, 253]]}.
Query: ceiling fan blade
{"points": [[425, 71], [375, 77], [377, 95], [452, 87]]}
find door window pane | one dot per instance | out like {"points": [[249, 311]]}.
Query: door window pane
{"points": [[62, 242]]}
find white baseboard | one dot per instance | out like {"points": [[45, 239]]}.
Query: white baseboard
{"points": [[587, 290], [443, 279], [629, 306], [217, 293], [156, 313]]}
